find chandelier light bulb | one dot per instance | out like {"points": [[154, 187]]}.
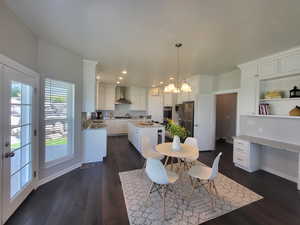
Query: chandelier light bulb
{"points": [[185, 87], [171, 87]]}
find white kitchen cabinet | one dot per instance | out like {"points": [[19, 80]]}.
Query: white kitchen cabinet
{"points": [[200, 84], [138, 97], [269, 67], [246, 155], [168, 99], [94, 145], [135, 134], [248, 98], [156, 107], [116, 126], [291, 63], [106, 96]]}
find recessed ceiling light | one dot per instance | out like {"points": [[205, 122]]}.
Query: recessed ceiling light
{"points": [[120, 78], [171, 78], [161, 82], [98, 77], [118, 82], [153, 86], [124, 71]]}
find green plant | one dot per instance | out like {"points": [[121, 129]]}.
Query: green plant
{"points": [[176, 130]]}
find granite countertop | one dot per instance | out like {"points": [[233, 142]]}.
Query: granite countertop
{"points": [[122, 118], [140, 125], [90, 124]]}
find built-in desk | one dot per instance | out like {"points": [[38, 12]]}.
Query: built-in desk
{"points": [[246, 152]]}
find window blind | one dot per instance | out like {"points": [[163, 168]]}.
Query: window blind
{"points": [[59, 119]]}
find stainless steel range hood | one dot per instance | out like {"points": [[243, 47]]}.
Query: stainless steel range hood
{"points": [[121, 96]]}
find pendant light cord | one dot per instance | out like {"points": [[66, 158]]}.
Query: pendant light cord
{"points": [[178, 45]]}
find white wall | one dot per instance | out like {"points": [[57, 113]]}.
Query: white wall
{"points": [[280, 162], [57, 63], [16, 40], [228, 81]]}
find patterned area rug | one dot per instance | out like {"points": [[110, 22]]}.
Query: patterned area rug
{"points": [[180, 208]]}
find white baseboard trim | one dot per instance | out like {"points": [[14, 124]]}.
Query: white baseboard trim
{"points": [[58, 174], [280, 174]]}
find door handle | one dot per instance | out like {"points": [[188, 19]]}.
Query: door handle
{"points": [[9, 154], [7, 144]]}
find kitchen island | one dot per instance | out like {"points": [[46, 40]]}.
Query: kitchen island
{"points": [[94, 142], [136, 130]]}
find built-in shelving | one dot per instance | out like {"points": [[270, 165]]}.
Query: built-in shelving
{"points": [[279, 99], [279, 107], [274, 116]]}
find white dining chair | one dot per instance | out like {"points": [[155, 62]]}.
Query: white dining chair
{"points": [[161, 179], [148, 152], [203, 175], [190, 161]]}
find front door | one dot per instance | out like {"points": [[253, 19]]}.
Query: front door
{"points": [[18, 115]]}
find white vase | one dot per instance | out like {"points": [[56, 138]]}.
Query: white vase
{"points": [[176, 144]]}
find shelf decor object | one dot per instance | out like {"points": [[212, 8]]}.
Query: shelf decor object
{"points": [[264, 109], [295, 111], [273, 95], [295, 92]]}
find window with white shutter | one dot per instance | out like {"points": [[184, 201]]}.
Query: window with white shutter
{"points": [[59, 120]]}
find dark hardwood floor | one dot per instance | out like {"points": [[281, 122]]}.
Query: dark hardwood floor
{"points": [[93, 196]]}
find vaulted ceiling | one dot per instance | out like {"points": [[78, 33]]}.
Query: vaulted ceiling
{"points": [[139, 35]]}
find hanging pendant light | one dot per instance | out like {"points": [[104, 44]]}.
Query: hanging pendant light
{"points": [[185, 87], [173, 88]]}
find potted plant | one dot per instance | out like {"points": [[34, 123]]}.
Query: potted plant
{"points": [[176, 130]]}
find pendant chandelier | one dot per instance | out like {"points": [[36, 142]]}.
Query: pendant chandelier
{"points": [[173, 87]]}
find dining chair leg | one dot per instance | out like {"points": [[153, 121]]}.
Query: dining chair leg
{"points": [[172, 159], [193, 187], [166, 162], [150, 191], [164, 190], [209, 194], [215, 188]]}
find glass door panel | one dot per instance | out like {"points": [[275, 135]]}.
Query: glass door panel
{"points": [[20, 123], [18, 163]]}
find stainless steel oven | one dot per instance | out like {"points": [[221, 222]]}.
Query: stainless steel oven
{"points": [[167, 113]]}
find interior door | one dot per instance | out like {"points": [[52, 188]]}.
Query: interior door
{"points": [[204, 126], [19, 144]]}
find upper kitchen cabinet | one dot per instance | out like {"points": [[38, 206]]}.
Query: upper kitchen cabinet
{"points": [[269, 67], [168, 99], [106, 96], [200, 84], [89, 85], [138, 97], [249, 89], [290, 63], [280, 65]]}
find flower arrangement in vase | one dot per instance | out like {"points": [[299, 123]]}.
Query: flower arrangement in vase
{"points": [[178, 133]]}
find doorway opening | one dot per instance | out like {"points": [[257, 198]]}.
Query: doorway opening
{"points": [[226, 117]]}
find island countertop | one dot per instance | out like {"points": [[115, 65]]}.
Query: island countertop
{"points": [[141, 125]]}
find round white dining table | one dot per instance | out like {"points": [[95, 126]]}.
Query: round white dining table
{"points": [[186, 151]]}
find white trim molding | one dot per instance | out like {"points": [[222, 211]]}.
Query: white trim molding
{"points": [[230, 91], [17, 66], [58, 174]]}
